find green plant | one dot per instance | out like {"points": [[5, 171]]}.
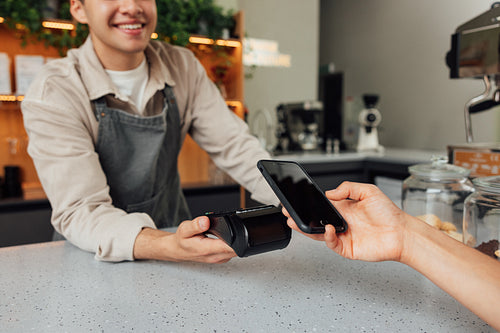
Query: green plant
{"points": [[25, 12], [25, 16], [177, 20]]}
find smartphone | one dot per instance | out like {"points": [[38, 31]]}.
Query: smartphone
{"points": [[301, 196]]}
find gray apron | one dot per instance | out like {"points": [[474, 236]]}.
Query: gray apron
{"points": [[139, 157]]}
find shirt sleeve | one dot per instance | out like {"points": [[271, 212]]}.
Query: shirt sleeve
{"points": [[227, 139], [62, 148]]}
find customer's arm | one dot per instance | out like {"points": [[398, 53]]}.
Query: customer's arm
{"points": [[379, 230]]}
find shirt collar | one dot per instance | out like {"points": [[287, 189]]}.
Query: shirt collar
{"points": [[98, 82], [95, 78], [158, 71]]}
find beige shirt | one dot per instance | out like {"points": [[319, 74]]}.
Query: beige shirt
{"points": [[63, 132]]}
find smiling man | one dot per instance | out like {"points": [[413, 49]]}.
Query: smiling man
{"points": [[106, 125]]}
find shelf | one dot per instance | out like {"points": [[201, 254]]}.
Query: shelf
{"points": [[49, 24], [11, 98], [219, 42]]}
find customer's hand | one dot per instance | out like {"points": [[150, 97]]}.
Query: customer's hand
{"points": [[188, 243], [376, 226]]}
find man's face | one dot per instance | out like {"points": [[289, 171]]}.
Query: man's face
{"points": [[118, 27]]}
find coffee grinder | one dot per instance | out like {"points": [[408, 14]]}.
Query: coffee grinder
{"points": [[369, 119]]}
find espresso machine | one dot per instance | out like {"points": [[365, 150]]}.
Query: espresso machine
{"points": [[300, 126], [475, 54]]}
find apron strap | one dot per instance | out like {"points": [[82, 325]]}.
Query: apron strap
{"points": [[99, 105]]}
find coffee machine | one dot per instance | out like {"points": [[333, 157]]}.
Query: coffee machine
{"points": [[475, 54], [300, 126]]}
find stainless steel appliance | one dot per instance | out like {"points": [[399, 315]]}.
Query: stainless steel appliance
{"points": [[475, 53], [300, 126]]}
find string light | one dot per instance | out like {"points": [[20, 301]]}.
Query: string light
{"points": [[58, 25], [200, 40], [235, 104], [11, 98], [208, 41], [230, 43]]}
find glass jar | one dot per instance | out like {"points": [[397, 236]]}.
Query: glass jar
{"points": [[482, 216], [436, 193]]}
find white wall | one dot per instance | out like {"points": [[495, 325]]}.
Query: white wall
{"points": [[295, 25], [228, 4], [397, 48]]}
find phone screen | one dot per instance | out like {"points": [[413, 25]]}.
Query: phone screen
{"points": [[302, 198]]}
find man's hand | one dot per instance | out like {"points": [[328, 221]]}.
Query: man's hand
{"points": [[188, 243]]}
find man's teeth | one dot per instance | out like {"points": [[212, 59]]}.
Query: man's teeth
{"points": [[130, 26]]}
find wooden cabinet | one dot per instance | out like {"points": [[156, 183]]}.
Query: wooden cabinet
{"points": [[223, 61], [224, 67], [13, 138]]}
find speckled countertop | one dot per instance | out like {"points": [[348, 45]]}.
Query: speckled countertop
{"points": [[55, 287]]}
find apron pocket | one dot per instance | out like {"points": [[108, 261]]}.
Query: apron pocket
{"points": [[148, 206]]}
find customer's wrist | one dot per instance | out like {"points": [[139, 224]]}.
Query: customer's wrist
{"points": [[415, 235]]}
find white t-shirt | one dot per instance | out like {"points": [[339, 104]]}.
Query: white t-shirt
{"points": [[132, 83]]}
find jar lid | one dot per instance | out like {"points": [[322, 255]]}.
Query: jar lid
{"points": [[439, 169], [488, 184]]}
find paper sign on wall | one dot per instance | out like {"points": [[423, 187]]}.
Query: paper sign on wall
{"points": [[27, 66], [5, 84], [263, 52]]}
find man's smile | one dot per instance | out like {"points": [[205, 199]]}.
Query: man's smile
{"points": [[130, 26]]}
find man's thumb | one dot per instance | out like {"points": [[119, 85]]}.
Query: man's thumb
{"points": [[197, 226]]}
